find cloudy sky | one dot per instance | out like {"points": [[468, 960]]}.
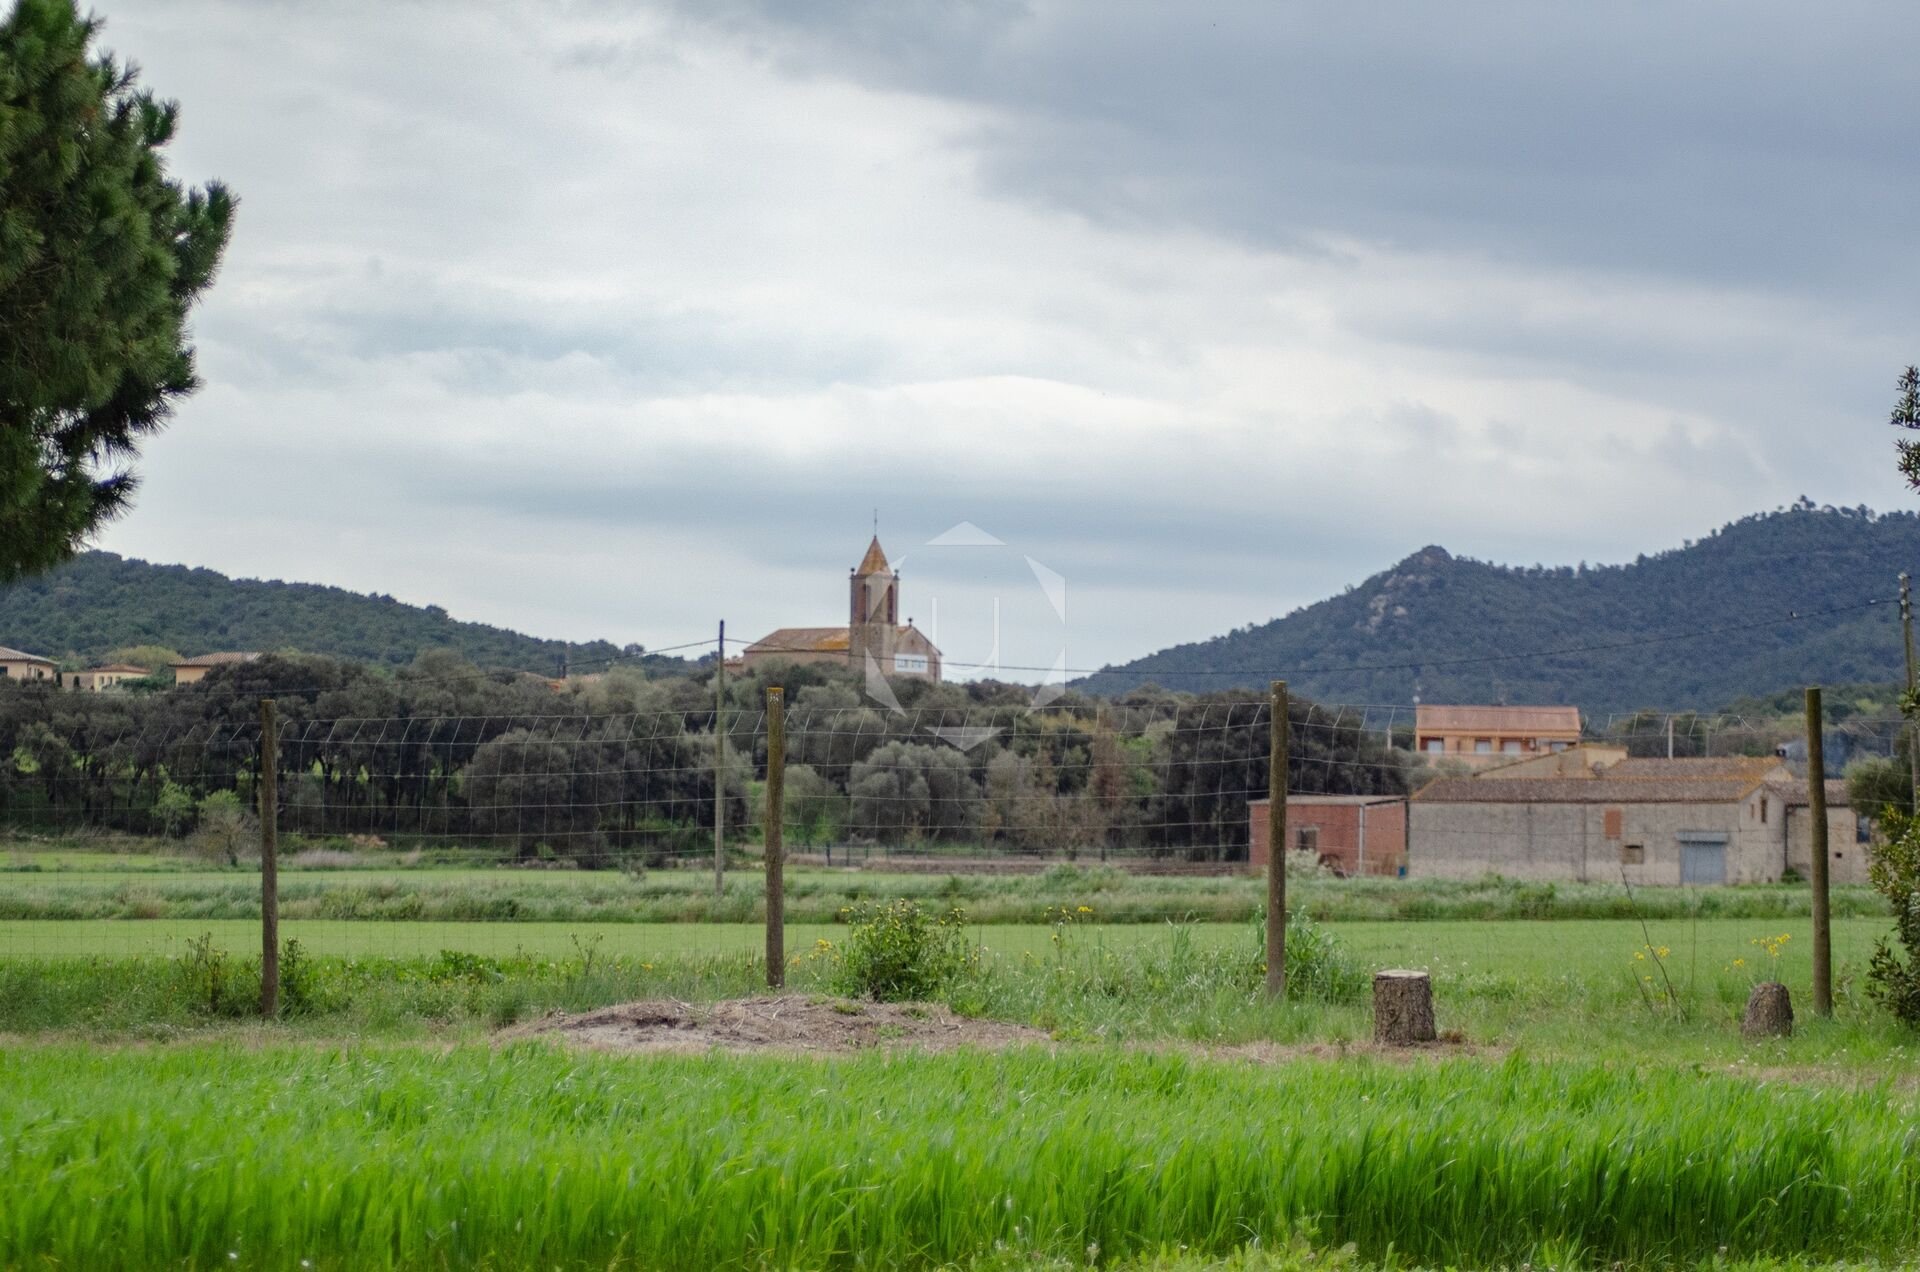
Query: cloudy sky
{"points": [[612, 320]]}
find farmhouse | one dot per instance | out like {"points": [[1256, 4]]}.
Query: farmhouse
{"points": [[96, 679], [1348, 834], [1493, 735], [1647, 821], [191, 671], [18, 665], [873, 635]]}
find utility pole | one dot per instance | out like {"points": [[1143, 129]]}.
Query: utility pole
{"points": [[1277, 841], [1817, 809], [1906, 626], [720, 764], [1669, 735]]}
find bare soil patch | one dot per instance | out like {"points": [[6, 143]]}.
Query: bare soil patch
{"points": [[781, 1022]]}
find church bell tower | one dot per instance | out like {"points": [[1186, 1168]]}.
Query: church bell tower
{"points": [[873, 617]]}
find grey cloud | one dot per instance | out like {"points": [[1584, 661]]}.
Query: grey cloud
{"points": [[1741, 156], [1760, 143]]}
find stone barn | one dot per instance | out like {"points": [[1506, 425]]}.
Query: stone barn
{"points": [[1682, 821]]}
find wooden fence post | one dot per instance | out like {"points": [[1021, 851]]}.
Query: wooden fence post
{"points": [[1277, 841], [720, 764], [1913, 735], [269, 861], [774, 852], [1817, 809]]}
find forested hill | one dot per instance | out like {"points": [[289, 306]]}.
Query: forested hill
{"points": [[101, 602], [1407, 624]]}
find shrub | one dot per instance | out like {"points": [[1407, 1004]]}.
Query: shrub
{"points": [[1302, 864], [898, 952], [226, 828], [1534, 900], [173, 809], [1894, 979], [458, 965], [205, 978], [1879, 782], [1318, 965], [308, 987]]}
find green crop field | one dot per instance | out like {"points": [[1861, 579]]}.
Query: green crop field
{"points": [[1545, 949], [531, 1156], [70, 883], [1594, 1104]]}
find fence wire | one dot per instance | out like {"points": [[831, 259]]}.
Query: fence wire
{"points": [[529, 827]]}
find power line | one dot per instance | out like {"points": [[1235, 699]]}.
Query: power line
{"points": [[608, 663], [1792, 616]]}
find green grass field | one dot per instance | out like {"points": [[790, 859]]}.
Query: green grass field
{"points": [[64, 884], [531, 1156], [1571, 989], [1597, 1107], [1528, 949]]}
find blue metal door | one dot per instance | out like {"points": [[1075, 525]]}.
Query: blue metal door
{"points": [[1703, 858]]}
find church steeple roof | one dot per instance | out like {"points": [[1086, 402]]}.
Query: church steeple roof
{"points": [[875, 562]]}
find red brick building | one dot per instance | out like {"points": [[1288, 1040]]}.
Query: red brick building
{"points": [[1350, 834]]}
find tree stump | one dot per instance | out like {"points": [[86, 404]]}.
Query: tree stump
{"points": [[1769, 1012], [1402, 1008]]}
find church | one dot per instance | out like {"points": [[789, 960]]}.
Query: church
{"points": [[874, 630]]}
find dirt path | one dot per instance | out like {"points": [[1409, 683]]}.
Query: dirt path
{"points": [[782, 1022], [830, 1026]]}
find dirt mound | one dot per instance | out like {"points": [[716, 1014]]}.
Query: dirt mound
{"points": [[782, 1022]]}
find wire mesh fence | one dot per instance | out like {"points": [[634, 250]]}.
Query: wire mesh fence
{"points": [[643, 789], [134, 830]]}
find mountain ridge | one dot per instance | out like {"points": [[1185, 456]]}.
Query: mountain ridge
{"points": [[101, 601], [1452, 628]]}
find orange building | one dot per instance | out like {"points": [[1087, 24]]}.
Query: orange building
{"points": [[191, 671], [1493, 735], [98, 679], [16, 664]]}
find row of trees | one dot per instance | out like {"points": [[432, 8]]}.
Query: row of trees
{"points": [[442, 752]]}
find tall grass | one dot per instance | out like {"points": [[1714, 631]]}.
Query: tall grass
{"points": [[503, 893], [1571, 993], [524, 1156]]}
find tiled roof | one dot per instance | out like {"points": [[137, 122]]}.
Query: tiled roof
{"points": [[216, 660], [817, 640], [1696, 766], [1444, 719], [875, 562], [803, 640], [18, 655], [1794, 794], [1603, 789], [117, 669], [1580, 760]]}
